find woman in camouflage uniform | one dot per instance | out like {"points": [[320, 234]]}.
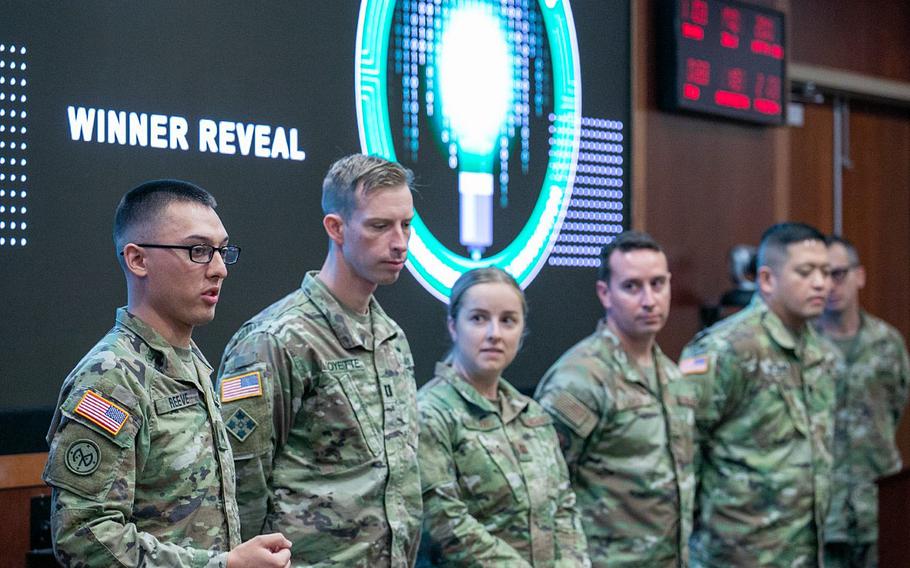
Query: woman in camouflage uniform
{"points": [[495, 487]]}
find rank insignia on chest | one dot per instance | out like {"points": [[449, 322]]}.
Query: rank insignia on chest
{"points": [[695, 365], [102, 412], [240, 424], [241, 386]]}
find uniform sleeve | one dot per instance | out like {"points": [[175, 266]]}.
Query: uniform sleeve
{"points": [[450, 532], [571, 545], [92, 472], [716, 378], [903, 380], [257, 419], [576, 401]]}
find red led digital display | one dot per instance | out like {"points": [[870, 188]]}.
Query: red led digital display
{"points": [[723, 57]]}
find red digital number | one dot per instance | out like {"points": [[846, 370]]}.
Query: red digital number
{"points": [[764, 29], [772, 88], [698, 71], [736, 79], [698, 12], [731, 20]]}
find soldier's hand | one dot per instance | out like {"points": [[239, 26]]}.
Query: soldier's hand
{"points": [[263, 550]]}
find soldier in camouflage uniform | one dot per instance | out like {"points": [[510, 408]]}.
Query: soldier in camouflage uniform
{"points": [[625, 417], [764, 423], [139, 462], [870, 400], [495, 486], [318, 393]]}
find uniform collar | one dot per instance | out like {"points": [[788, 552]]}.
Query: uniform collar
{"points": [[351, 329], [805, 345], [632, 371], [774, 326], [165, 352], [517, 401]]}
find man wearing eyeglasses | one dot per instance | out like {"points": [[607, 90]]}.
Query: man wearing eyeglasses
{"points": [[139, 462], [318, 391], [870, 400]]}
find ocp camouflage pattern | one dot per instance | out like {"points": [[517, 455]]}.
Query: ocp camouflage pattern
{"points": [[495, 486], [870, 400], [162, 490], [764, 428], [629, 450], [328, 454]]}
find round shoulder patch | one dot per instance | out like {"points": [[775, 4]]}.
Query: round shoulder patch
{"points": [[83, 457]]}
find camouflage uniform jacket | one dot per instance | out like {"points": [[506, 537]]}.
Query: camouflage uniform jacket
{"points": [[496, 490], [764, 430], [139, 462], [870, 400], [325, 432], [629, 450]]}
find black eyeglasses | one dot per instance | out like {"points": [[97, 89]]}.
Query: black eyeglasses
{"points": [[838, 274], [202, 254]]}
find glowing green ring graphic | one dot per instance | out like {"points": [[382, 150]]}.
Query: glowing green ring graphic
{"points": [[431, 262]]}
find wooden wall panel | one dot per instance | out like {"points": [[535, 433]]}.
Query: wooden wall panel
{"points": [[868, 37], [877, 209], [20, 480], [812, 168]]}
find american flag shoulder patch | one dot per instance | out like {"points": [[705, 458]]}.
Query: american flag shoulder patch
{"points": [[241, 386], [695, 365], [101, 411]]}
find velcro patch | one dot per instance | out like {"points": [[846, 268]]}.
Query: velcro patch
{"points": [[102, 412], [352, 364], [695, 365], [241, 386], [240, 424], [83, 457], [177, 401], [574, 413]]}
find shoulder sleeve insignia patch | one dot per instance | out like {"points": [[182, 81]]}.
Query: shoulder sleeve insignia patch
{"points": [[240, 425], [695, 365], [83, 457], [237, 387], [102, 412]]}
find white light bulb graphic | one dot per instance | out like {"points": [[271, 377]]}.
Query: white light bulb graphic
{"points": [[475, 85]]}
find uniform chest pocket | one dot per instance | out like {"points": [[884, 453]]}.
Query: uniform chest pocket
{"points": [[338, 427], [487, 468], [637, 424], [629, 399], [780, 395]]}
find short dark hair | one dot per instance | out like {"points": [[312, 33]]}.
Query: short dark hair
{"points": [[144, 204], [772, 251], [852, 253], [339, 188], [624, 242]]}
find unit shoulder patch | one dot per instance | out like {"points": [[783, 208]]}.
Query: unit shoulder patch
{"points": [[82, 457], [242, 386], [240, 424]]}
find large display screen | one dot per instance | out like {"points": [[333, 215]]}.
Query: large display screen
{"points": [[723, 57], [513, 114]]}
